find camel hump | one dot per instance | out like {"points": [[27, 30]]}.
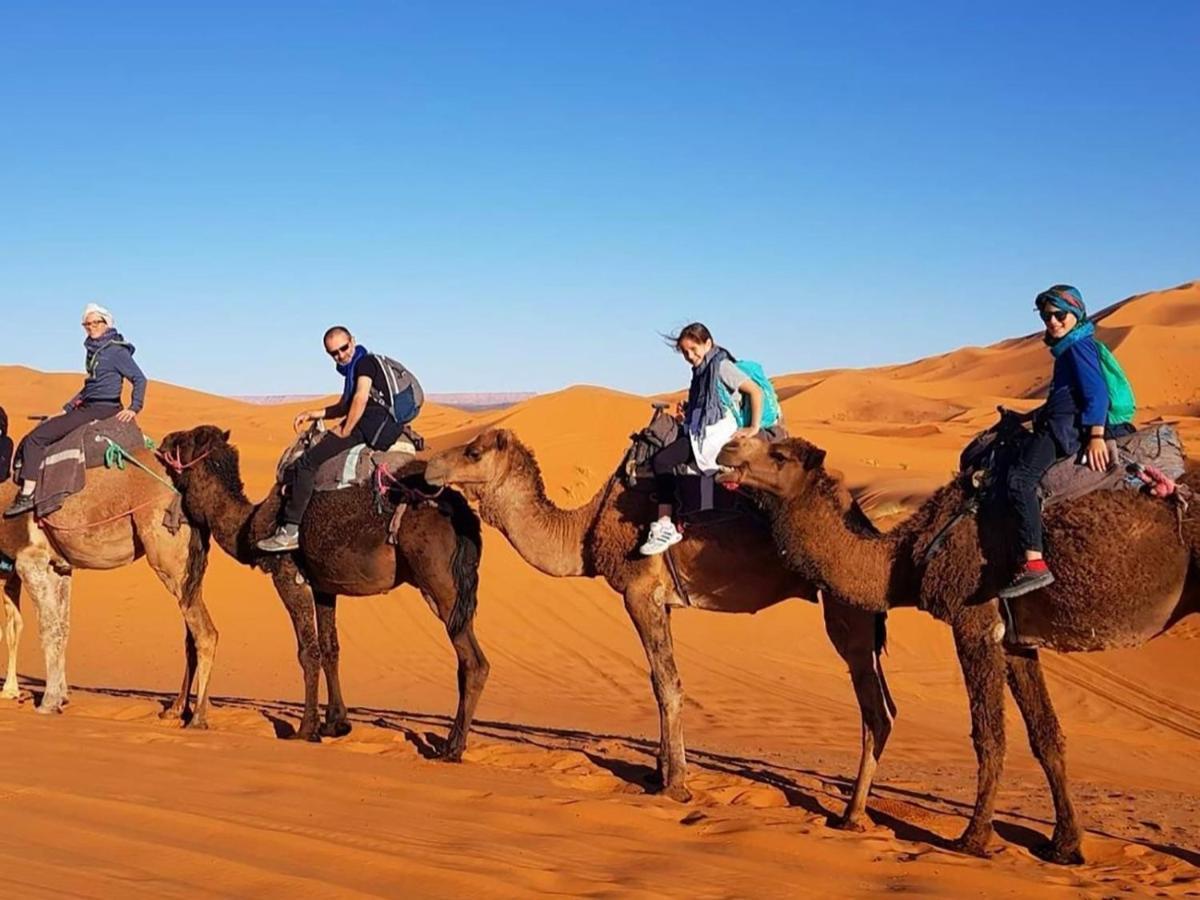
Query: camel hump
{"points": [[1157, 447], [354, 465]]}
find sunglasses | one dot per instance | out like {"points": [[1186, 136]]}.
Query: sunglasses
{"points": [[92, 324], [1059, 315], [339, 351]]}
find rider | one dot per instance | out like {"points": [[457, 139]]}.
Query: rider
{"points": [[109, 363], [710, 423], [365, 420], [1089, 400]]}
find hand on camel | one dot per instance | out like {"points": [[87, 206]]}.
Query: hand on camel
{"points": [[1097, 454], [302, 419], [126, 415], [748, 432]]}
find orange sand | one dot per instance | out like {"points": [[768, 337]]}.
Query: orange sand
{"points": [[108, 801]]}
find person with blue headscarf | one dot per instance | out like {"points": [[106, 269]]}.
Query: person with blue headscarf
{"points": [[1089, 401]]}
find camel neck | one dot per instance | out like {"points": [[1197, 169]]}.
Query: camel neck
{"points": [[835, 546], [551, 539], [216, 498]]}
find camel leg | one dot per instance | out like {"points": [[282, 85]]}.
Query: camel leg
{"points": [[1028, 686], [473, 670], [13, 626], [855, 637], [337, 723], [178, 708], [298, 600], [179, 561], [982, 661], [51, 593], [653, 624]]}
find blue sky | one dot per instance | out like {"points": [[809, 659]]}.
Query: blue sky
{"points": [[521, 195]]}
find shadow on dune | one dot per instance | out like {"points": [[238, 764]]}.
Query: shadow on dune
{"points": [[610, 753]]}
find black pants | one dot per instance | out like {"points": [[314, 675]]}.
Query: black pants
{"points": [[37, 442], [663, 463], [305, 474], [1037, 455]]}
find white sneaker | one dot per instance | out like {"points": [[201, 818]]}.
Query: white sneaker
{"points": [[663, 534]]}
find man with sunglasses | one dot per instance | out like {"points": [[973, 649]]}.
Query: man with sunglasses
{"points": [[1090, 400], [365, 420]]}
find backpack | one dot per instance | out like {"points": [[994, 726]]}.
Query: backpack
{"points": [[771, 413], [404, 395], [1121, 402]]}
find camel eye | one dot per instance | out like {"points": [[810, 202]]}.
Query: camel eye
{"points": [[473, 454]]}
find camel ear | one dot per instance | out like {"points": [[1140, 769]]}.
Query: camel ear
{"points": [[225, 436], [502, 440]]}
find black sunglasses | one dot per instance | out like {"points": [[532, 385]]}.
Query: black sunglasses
{"points": [[1059, 315], [339, 351]]}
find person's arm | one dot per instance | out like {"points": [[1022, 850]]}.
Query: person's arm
{"points": [[131, 372], [335, 411], [358, 403], [73, 402], [752, 394], [1094, 391]]}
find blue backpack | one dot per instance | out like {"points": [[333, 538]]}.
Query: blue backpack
{"points": [[771, 414]]}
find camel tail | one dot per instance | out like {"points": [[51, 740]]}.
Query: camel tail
{"points": [[880, 647], [464, 564]]}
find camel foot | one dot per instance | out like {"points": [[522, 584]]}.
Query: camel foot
{"points": [[51, 706], [197, 723], [310, 733], [450, 754], [677, 792], [972, 844], [1062, 853], [171, 713], [855, 824], [337, 729], [10, 694]]}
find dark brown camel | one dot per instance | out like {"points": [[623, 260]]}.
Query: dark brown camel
{"points": [[343, 550], [729, 567], [1127, 567]]}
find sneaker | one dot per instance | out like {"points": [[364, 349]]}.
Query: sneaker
{"points": [[285, 539], [663, 534], [20, 506], [1033, 576]]}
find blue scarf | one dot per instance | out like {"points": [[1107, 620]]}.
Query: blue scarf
{"points": [[1072, 337], [347, 372], [703, 394]]}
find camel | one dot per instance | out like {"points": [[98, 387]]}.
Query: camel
{"points": [[343, 550], [1128, 569], [116, 519], [728, 567]]}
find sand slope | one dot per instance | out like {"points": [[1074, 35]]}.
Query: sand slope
{"points": [[107, 800]]}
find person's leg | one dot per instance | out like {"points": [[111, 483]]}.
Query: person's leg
{"points": [[287, 537], [663, 533], [44, 436], [1038, 455]]}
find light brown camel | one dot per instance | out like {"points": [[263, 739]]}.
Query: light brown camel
{"points": [[728, 567], [343, 550], [1127, 569], [116, 519]]}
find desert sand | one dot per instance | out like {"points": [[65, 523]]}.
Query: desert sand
{"points": [[106, 800]]}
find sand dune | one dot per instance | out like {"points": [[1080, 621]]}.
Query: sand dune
{"points": [[107, 800]]}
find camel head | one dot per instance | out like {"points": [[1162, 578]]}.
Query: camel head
{"points": [[474, 466], [787, 468], [182, 451]]}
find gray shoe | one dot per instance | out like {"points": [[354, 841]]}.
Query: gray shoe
{"points": [[285, 539], [20, 506]]}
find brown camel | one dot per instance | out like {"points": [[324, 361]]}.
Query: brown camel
{"points": [[729, 567], [343, 550], [1124, 577], [116, 519]]}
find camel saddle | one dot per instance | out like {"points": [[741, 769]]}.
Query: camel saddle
{"points": [[695, 492], [64, 470], [984, 463], [355, 465]]}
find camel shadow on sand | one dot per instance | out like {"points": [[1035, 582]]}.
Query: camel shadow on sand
{"points": [[632, 760]]}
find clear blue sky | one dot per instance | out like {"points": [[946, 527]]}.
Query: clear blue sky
{"points": [[520, 195]]}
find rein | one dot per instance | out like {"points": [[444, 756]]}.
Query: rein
{"points": [[174, 462]]}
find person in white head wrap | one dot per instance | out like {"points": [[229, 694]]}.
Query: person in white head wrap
{"points": [[109, 364]]}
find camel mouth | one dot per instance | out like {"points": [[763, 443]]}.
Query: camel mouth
{"points": [[731, 477]]}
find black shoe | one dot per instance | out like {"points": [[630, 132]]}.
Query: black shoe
{"points": [[1027, 581], [20, 506]]}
